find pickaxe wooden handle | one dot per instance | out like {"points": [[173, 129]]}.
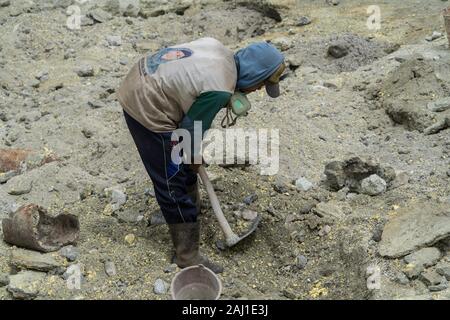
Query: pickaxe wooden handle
{"points": [[231, 238]]}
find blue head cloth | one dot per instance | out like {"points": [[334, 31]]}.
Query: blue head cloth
{"points": [[256, 63]]}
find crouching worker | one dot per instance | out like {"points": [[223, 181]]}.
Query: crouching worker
{"points": [[173, 88]]}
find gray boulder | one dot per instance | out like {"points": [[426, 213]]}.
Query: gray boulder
{"points": [[26, 259], [426, 257], [373, 185], [351, 172], [26, 284], [19, 185], [416, 226]]}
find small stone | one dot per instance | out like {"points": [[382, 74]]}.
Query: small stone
{"points": [[444, 271], [288, 294], [19, 185], [325, 230], [438, 126], [250, 199], [271, 210], [377, 232], [249, 215], [70, 252], [4, 279], [301, 262], [328, 210], [129, 8], [401, 178], [412, 271], [303, 184], [16, 11], [34, 83], [337, 51], [95, 104], [123, 61], [282, 43], [74, 271], [86, 21], [402, 279], [130, 216], [87, 133], [303, 21], [440, 287], [5, 3], [330, 85], [130, 239], [294, 61], [333, 2], [70, 53], [85, 71], [170, 268], [110, 268], [42, 75], [157, 218], [341, 195], [373, 185], [4, 177], [27, 259], [280, 187], [149, 192], [147, 46], [99, 15], [160, 287], [25, 284], [118, 198], [4, 116], [327, 271], [114, 41], [432, 278], [426, 257], [307, 206], [108, 211], [435, 35], [439, 105]]}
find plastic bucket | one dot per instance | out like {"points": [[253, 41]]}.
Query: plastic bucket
{"points": [[196, 283], [447, 23]]}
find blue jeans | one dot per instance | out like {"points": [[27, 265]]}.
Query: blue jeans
{"points": [[169, 179]]}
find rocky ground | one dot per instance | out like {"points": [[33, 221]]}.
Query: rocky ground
{"points": [[358, 210]]}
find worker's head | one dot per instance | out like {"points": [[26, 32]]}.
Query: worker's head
{"points": [[260, 64]]}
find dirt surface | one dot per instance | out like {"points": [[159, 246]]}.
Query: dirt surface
{"points": [[314, 244]]}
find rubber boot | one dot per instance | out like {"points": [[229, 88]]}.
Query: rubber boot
{"points": [[186, 239], [194, 194]]}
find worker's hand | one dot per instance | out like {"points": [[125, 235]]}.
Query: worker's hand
{"points": [[195, 167]]}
